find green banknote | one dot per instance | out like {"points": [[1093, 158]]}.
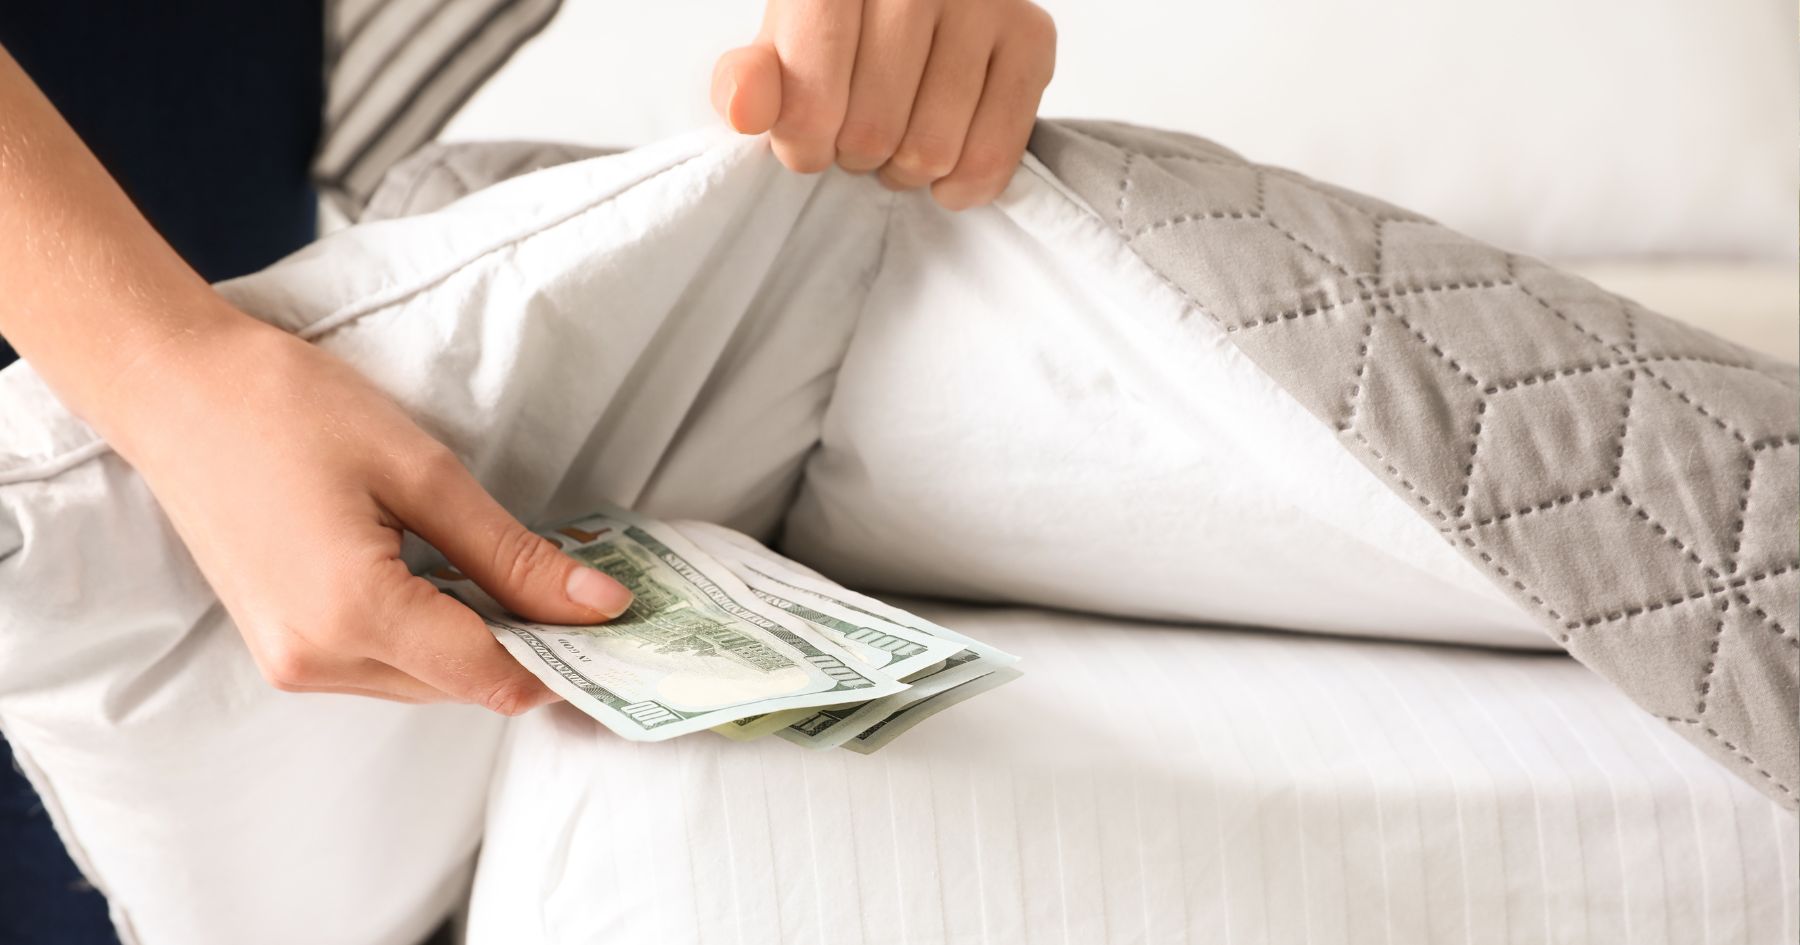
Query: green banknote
{"points": [[697, 649], [939, 663]]}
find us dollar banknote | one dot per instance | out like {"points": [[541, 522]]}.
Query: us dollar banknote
{"points": [[696, 650], [940, 664], [893, 726]]}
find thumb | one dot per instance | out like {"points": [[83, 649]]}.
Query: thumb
{"points": [[526, 573], [746, 88]]}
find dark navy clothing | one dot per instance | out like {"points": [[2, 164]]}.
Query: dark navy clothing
{"points": [[43, 899], [207, 112]]}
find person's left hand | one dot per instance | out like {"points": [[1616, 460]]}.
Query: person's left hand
{"points": [[938, 93]]}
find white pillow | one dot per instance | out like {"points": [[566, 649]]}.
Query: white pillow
{"points": [[1607, 127], [1025, 416], [533, 330]]}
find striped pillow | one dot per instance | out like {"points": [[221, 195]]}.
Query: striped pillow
{"points": [[397, 70]]}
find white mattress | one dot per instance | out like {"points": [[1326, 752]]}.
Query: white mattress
{"points": [[1155, 784]]}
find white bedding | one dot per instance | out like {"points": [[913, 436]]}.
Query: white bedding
{"points": [[674, 329], [1155, 784]]}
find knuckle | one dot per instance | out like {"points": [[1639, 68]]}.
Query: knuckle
{"points": [[985, 168], [807, 123], [510, 698], [520, 557], [925, 157], [432, 467], [398, 598], [866, 142], [803, 157], [289, 669], [805, 135], [1036, 26]]}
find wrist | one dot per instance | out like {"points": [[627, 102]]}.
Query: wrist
{"points": [[169, 370]]}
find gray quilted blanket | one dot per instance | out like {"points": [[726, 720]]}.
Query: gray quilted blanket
{"points": [[1631, 480]]}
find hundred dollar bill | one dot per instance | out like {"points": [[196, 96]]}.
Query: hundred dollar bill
{"points": [[834, 725], [971, 673], [899, 643], [697, 648], [898, 647], [870, 629], [878, 735]]}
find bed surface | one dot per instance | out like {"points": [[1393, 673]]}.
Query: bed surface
{"points": [[1149, 783]]}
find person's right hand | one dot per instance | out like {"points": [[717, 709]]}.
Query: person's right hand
{"points": [[291, 479]]}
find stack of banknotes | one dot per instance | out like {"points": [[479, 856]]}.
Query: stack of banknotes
{"points": [[728, 636]]}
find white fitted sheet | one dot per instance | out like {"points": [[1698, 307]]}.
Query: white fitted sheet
{"points": [[1157, 784]]}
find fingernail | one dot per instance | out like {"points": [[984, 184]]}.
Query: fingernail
{"points": [[595, 591], [731, 89]]}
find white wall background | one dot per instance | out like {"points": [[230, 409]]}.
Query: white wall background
{"points": [[1565, 128]]}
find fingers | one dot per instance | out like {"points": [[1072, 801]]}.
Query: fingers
{"points": [[746, 88], [890, 58], [397, 637], [395, 686], [948, 93], [434, 638], [527, 574], [816, 41], [1001, 127], [293, 664], [938, 93]]}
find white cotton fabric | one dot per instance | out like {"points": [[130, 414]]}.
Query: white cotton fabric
{"points": [[1155, 784], [674, 329], [1023, 415]]}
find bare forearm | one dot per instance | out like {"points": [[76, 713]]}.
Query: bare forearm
{"points": [[290, 477], [91, 290]]}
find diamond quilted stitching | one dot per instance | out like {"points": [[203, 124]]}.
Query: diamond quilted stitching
{"points": [[1335, 342], [1246, 262], [1750, 665], [1420, 252], [1625, 571], [1746, 404], [1667, 687], [1409, 397], [1341, 236], [1773, 607], [1548, 443], [1173, 192], [1639, 563], [1528, 339], [1604, 319], [1763, 538], [1684, 477], [1666, 336]]}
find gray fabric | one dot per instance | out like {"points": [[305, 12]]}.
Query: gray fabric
{"points": [[1631, 480], [1628, 478], [397, 70]]}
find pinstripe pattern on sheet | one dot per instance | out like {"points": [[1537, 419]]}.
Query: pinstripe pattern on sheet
{"points": [[1222, 786]]}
